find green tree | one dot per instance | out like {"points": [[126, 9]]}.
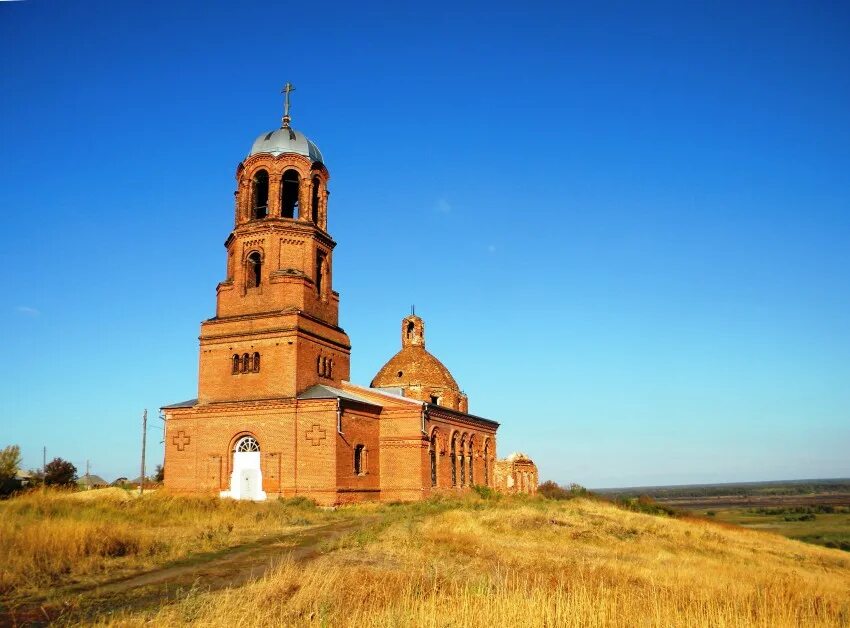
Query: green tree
{"points": [[60, 472], [159, 474], [10, 462]]}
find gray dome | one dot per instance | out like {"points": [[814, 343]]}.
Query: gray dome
{"points": [[285, 140]]}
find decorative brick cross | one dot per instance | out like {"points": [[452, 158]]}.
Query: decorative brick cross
{"points": [[181, 439], [316, 435]]}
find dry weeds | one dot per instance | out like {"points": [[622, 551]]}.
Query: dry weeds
{"points": [[536, 563]]}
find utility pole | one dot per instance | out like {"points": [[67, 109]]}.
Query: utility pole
{"points": [[43, 468], [144, 441]]}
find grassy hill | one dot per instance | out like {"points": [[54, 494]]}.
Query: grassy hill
{"points": [[495, 562]]}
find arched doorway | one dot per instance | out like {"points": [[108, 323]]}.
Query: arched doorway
{"points": [[246, 481]]}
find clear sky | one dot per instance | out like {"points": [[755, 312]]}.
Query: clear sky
{"points": [[626, 225]]}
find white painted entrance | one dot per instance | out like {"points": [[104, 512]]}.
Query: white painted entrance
{"points": [[246, 481]]}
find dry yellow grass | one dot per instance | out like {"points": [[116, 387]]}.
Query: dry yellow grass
{"points": [[537, 563], [54, 539]]}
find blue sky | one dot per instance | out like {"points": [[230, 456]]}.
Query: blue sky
{"points": [[626, 225]]}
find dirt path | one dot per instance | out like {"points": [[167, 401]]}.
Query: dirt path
{"points": [[231, 567]]}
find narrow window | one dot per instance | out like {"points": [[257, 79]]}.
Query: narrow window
{"points": [[324, 371], [462, 464], [469, 465], [254, 270], [432, 452], [453, 457], [314, 201], [256, 364], [330, 368], [320, 273], [289, 194], [486, 464], [260, 195], [319, 364], [246, 362], [236, 363], [359, 467], [410, 327]]}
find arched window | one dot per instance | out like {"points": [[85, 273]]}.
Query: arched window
{"points": [[469, 462], [330, 368], [246, 362], [487, 463], [410, 328], [462, 461], [314, 200], [246, 443], [260, 195], [289, 194], [236, 363], [453, 459], [324, 371], [256, 364], [359, 460], [432, 452], [254, 270]]}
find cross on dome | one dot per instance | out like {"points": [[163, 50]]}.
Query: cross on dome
{"points": [[286, 91]]}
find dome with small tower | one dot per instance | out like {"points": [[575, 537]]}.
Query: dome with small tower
{"points": [[416, 373]]}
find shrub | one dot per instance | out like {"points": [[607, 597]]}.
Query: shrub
{"points": [[644, 504], [485, 492], [10, 462], [60, 472]]}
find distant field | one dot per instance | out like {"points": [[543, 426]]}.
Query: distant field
{"points": [[827, 529], [813, 511]]}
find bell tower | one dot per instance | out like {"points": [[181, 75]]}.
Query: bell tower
{"points": [[275, 331]]}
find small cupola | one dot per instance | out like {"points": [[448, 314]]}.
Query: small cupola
{"points": [[412, 332]]}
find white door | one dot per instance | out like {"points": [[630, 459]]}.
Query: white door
{"points": [[246, 481]]}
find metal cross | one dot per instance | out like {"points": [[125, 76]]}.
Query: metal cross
{"points": [[316, 435], [181, 439], [286, 91]]}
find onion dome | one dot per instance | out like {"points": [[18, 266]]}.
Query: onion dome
{"points": [[286, 140]]}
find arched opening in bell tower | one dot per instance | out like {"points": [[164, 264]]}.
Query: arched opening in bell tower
{"points": [[314, 200], [289, 194], [260, 195], [254, 270]]}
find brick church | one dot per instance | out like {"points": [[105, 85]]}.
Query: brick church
{"points": [[275, 413]]}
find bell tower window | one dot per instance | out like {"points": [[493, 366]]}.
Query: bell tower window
{"points": [[254, 270], [314, 201], [321, 269], [289, 194], [260, 195]]}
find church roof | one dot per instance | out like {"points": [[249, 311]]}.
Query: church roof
{"points": [[414, 366], [321, 391], [286, 140], [191, 403]]}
